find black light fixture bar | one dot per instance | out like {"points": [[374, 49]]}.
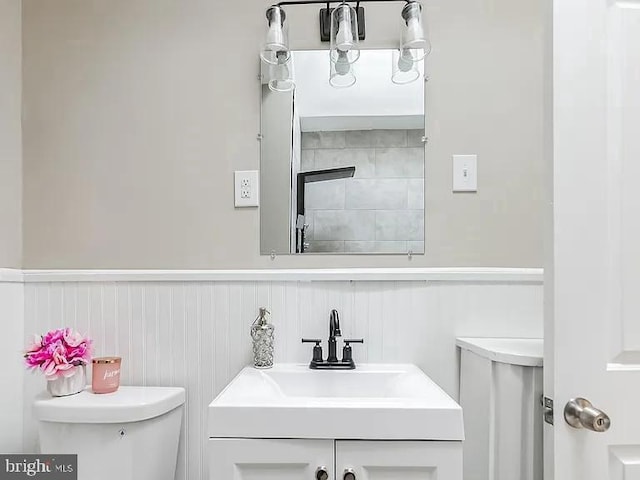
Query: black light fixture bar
{"points": [[325, 14], [320, 2]]}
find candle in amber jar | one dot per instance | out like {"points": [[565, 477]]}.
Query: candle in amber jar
{"points": [[106, 374]]}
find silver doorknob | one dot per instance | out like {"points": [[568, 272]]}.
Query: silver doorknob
{"points": [[349, 474], [579, 413], [322, 473]]}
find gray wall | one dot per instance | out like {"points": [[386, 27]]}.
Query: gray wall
{"points": [[380, 209], [137, 115], [10, 134]]}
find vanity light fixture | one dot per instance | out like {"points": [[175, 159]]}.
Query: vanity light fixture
{"points": [[276, 45], [281, 74], [343, 26], [404, 67], [344, 34], [412, 34], [341, 74]]}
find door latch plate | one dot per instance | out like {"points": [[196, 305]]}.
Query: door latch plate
{"points": [[547, 405]]}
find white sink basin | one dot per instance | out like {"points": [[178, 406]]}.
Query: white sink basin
{"points": [[374, 401]]}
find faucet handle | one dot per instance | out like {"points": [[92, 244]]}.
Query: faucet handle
{"points": [[317, 349], [347, 354]]}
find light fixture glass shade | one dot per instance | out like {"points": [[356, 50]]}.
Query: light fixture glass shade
{"points": [[341, 74], [276, 42], [404, 67], [344, 34], [413, 35], [281, 74]]}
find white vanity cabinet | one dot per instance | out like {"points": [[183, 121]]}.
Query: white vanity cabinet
{"points": [[399, 460], [301, 459], [269, 459]]}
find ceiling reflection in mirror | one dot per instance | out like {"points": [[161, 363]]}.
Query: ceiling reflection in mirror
{"points": [[342, 169]]}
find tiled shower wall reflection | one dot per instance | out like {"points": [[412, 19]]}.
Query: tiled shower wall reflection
{"points": [[380, 209]]}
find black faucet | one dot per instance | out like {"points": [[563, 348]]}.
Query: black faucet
{"points": [[332, 362], [334, 331]]}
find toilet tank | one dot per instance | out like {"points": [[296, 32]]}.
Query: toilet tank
{"points": [[131, 434], [500, 391]]}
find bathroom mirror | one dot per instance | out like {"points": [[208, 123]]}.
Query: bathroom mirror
{"points": [[342, 168]]}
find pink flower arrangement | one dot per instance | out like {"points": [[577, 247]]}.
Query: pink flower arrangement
{"points": [[58, 353]]}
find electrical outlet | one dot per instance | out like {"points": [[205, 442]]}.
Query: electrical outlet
{"points": [[246, 188]]}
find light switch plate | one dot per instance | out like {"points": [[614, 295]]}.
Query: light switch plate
{"points": [[465, 173], [246, 188]]}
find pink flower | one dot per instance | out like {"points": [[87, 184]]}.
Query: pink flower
{"points": [[53, 336], [34, 344], [72, 338], [58, 353]]}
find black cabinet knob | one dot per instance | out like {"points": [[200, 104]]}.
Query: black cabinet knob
{"points": [[322, 473], [349, 474]]}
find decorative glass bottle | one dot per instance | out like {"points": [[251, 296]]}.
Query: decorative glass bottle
{"points": [[262, 336]]}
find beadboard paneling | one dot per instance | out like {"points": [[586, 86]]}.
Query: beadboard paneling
{"points": [[196, 334], [11, 316]]}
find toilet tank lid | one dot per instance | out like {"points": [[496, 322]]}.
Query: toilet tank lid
{"points": [[526, 352], [127, 404]]}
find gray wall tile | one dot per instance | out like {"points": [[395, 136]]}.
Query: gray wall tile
{"points": [[376, 194], [324, 195], [323, 140], [325, 246], [415, 247], [391, 247], [307, 160], [414, 138], [390, 138], [400, 162], [362, 158], [415, 162], [360, 138], [400, 225], [308, 219], [382, 208], [332, 139], [344, 225], [359, 247], [415, 192], [310, 140]]}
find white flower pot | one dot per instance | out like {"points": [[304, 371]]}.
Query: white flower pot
{"points": [[63, 386]]}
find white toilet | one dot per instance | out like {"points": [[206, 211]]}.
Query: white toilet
{"points": [[131, 434]]}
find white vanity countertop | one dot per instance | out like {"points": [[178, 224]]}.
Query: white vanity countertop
{"points": [[527, 352], [374, 401]]}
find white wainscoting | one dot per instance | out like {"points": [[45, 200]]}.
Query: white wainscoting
{"points": [[195, 333], [11, 401]]}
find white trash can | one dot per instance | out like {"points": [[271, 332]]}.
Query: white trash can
{"points": [[500, 391]]}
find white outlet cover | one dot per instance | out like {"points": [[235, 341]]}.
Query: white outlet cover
{"points": [[465, 173], [246, 188]]}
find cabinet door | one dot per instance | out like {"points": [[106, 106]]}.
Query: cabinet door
{"points": [[247, 459], [398, 460]]}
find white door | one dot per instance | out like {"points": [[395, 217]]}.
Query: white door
{"points": [[247, 459], [398, 460], [592, 290]]}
